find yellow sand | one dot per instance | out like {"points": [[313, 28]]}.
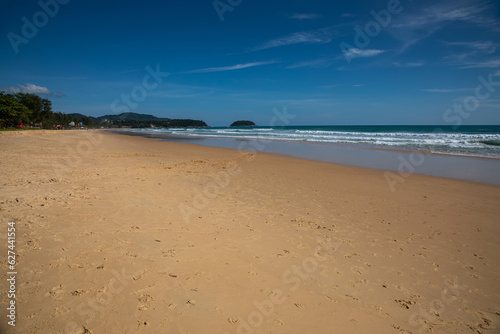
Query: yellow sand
{"points": [[119, 234]]}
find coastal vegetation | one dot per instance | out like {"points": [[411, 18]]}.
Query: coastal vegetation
{"points": [[30, 110], [23, 108], [168, 123]]}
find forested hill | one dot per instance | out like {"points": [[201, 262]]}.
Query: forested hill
{"points": [[130, 116], [31, 110]]}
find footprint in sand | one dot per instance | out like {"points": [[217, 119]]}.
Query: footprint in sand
{"points": [[78, 292], [142, 323], [484, 322], [55, 292], [144, 302], [169, 253], [360, 282], [59, 311], [87, 330], [283, 254], [355, 270], [404, 303], [139, 276]]}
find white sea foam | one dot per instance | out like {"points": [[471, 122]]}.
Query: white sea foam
{"points": [[460, 143]]}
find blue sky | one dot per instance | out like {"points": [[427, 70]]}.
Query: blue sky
{"points": [[354, 62]]}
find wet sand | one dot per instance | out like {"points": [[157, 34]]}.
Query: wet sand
{"points": [[400, 161]]}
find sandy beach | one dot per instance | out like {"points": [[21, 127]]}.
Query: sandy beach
{"points": [[121, 234]]}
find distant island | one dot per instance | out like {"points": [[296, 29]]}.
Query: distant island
{"points": [[243, 123]]}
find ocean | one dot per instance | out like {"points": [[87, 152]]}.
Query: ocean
{"points": [[474, 141], [469, 153]]}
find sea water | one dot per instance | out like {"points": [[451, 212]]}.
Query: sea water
{"points": [[467, 152], [482, 141]]}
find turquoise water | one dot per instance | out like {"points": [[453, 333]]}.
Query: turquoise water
{"points": [[479, 141]]}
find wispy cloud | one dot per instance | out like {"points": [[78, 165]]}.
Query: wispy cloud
{"points": [[320, 36], [472, 54], [447, 12], [486, 47], [315, 63], [29, 89], [423, 22], [491, 63], [409, 64], [231, 68], [446, 90], [362, 53], [304, 16]]}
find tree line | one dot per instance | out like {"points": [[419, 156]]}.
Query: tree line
{"points": [[28, 109], [32, 110], [171, 123]]}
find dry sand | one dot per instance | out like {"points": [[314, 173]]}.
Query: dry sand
{"points": [[119, 234]]}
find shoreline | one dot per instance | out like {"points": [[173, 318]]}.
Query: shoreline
{"points": [[385, 130], [390, 160], [125, 234], [305, 142]]}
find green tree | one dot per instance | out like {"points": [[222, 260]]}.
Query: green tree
{"points": [[87, 121], [46, 109], [12, 112], [33, 103]]}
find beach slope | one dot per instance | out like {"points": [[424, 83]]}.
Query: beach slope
{"points": [[121, 234]]}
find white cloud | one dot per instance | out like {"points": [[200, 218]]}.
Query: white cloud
{"points": [[305, 16], [30, 89], [321, 36], [362, 53], [230, 68]]}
